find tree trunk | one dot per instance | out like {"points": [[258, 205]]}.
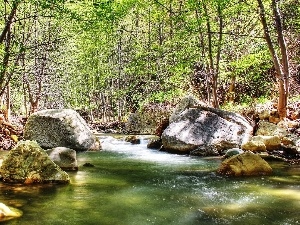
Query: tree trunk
{"points": [[7, 104], [9, 21], [214, 68], [282, 69], [284, 82], [5, 62], [211, 62], [231, 91]]}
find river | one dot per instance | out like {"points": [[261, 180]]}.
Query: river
{"points": [[130, 184]]}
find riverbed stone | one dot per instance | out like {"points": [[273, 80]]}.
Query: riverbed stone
{"points": [[28, 163], [7, 212], [150, 119], [254, 145], [264, 115], [133, 139], [154, 143], [64, 157], [246, 164], [262, 143], [204, 151], [233, 151], [269, 129], [271, 142], [280, 130], [201, 126], [60, 128]]}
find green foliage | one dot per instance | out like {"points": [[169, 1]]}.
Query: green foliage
{"points": [[136, 51], [168, 96]]}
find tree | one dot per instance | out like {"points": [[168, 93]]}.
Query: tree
{"points": [[281, 61], [115, 55], [29, 35]]}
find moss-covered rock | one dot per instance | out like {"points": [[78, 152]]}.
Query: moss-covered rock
{"points": [[28, 163]]}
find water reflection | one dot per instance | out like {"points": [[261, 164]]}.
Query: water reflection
{"points": [[130, 184]]}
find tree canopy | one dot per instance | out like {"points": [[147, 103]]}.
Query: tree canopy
{"points": [[113, 56]]}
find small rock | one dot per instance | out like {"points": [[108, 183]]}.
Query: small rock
{"points": [[154, 143], [264, 115], [271, 142], [7, 212], [274, 117], [233, 151], [133, 140], [293, 124], [270, 129], [254, 145], [287, 141], [274, 120], [246, 164], [204, 151], [64, 157]]}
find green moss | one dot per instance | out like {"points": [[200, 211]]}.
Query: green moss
{"points": [[29, 163]]}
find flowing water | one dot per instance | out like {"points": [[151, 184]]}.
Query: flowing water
{"points": [[130, 184]]}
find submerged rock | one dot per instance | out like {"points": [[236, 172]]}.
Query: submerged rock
{"points": [[28, 163], [65, 158], [200, 126], [88, 165], [60, 128], [246, 164]]}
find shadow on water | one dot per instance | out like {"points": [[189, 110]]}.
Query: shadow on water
{"points": [[130, 184]]}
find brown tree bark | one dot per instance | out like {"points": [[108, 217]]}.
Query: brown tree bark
{"points": [[231, 91], [281, 65], [214, 67], [209, 36], [9, 21]]}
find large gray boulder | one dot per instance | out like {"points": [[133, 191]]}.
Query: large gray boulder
{"points": [[28, 163], [60, 128], [186, 102], [200, 128]]}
